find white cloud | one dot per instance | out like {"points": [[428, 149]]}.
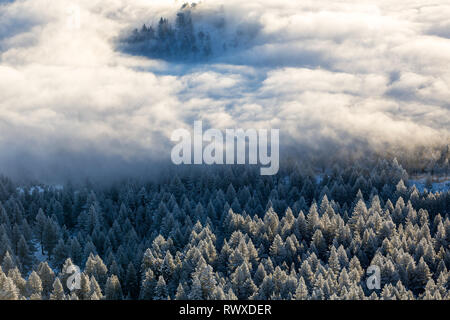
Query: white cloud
{"points": [[319, 70]]}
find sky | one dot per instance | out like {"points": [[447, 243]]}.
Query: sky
{"points": [[340, 74]]}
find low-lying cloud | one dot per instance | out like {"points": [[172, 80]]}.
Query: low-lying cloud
{"points": [[376, 73]]}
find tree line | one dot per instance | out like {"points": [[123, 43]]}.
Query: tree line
{"points": [[228, 233], [165, 41]]}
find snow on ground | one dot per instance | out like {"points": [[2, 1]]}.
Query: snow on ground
{"points": [[439, 186], [38, 253], [40, 189], [30, 190]]}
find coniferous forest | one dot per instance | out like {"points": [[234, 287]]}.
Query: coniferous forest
{"points": [[228, 233], [188, 38], [171, 43], [107, 194]]}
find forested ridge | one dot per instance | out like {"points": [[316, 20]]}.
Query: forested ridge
{"points": [[228, 233], [165, 41], [187, 38]]}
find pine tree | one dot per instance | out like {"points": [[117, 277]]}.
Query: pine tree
{"points": [[24, 255], [277, 249], [8, 263], [76, 253], [34, 286], [242, 282], [421, 277], [18, 280], [181, 293], [41, 221], [148, 286], [301, 293], [47, 277], [132, 281], [85, 288], [8, 290], [113, 290], [260, 274], [96, 291], [50, 236], [196, 292], [161, 289], [60, 253], [95, 267], [58, 291]]}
